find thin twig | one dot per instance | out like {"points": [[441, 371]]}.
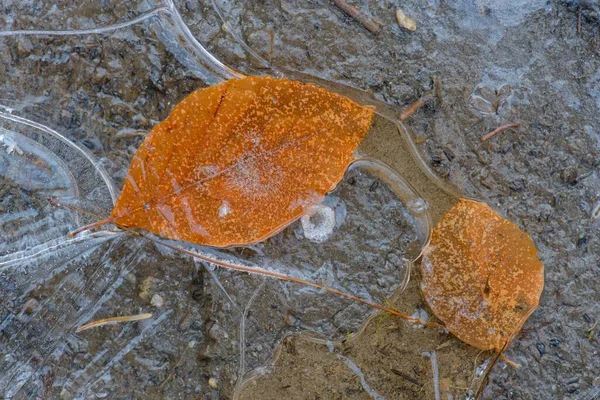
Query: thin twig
{"points": [[510, 362], [90, 226], [500, 129], [414, 107], [55, 202], [364, 19], [405, 377], [277, 275], [534, 329], [104, 321]]}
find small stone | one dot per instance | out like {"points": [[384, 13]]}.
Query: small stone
{"points": [[145, 288], [185, 322], [570, 175], [157, 301], [24, 47], [582, 241], [207, 352], [405, 21], [130, 277], [99, 75], [212, 382], [541, 348], [318, 223], [217, 333]]}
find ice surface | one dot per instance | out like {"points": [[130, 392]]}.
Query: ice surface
{"points": [[87, 80]]}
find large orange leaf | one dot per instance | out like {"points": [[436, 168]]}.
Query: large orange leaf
{"points": [[481, 275], [236, 162]]}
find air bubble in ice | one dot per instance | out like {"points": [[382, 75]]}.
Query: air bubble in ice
{"points": [[318, 224], [418, 206]]}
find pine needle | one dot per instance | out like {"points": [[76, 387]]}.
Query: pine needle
{"points": [[105, 321]]}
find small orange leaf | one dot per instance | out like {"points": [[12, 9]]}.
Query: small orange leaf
{"points": [[236, 162], [481, 275]]}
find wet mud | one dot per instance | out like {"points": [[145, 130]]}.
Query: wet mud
{"points": [[486, 65]]}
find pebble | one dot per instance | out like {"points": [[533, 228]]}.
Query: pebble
{"points": [[99, 75], [185, 322], [405, 21], [157, 301], [570, 175], [541, 348], [217, 333], [212, 382]]}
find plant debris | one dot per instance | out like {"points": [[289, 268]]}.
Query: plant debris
{"points": [[500, 129], [405, 21], [363, 18], [235, 163], [113, 320], [481, 275], [414, 107]]}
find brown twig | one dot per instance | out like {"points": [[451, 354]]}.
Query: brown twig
{"points": [[414, 107], [364, 19], [500, 129], [104, 321], [510, 362], [283, 277], [90, 226], [405, 377]]}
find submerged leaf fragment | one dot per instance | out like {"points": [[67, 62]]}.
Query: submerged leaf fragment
{"points": [[236, 162], [481, 275]]}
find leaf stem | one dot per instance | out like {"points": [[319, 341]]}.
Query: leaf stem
{"points": [[90, 226]]}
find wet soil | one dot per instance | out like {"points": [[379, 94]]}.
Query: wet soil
{"points": [[488, 64]]}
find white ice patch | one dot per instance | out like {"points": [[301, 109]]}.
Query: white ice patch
{"points": [[418, 206], [357, 371], [318, 223], [224, 209], [422, 316], [10, 145], [436, 374]]}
